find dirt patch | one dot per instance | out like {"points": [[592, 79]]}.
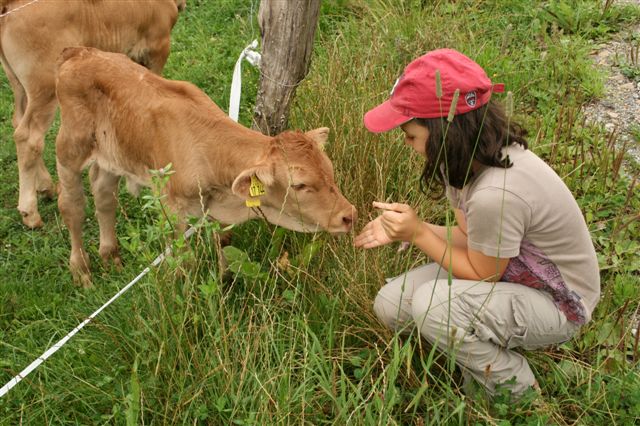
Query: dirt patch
{"points": [[619, 109]]}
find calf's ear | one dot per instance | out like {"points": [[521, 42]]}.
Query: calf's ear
{"points": [[320, 135], [241, 184]]}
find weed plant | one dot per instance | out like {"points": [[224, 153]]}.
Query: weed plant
{"points": [[288, 335]]}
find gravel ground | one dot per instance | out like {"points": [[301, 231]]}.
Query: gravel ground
{"points": [[619, 109]]}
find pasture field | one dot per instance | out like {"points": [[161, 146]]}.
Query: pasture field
{"points": [[290, 336]]}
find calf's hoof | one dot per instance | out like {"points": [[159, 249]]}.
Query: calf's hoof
{"points": [[32, 220], [112, 260], [81, 277], [117, 263], [109, 256], [79, 267], [82, 280]]}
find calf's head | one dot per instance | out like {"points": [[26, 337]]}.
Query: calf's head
{"points": [[300, 192]]}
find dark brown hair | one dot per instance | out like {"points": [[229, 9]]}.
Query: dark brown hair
{"points": [[476, 135]]}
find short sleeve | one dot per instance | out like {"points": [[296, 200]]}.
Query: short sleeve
{"points": [[497, 221], [453, 195]]}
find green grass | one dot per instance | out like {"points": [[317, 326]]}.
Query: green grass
{"points": [[291, 337]]}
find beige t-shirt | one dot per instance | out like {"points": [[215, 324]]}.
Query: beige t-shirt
{"points": [[528, 214]]}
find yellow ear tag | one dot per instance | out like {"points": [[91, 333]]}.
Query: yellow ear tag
{"points": [[256, 190], [252, 202]]}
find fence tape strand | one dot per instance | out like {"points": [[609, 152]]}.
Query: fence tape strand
{"points": [[254, 59], [53, 349]]}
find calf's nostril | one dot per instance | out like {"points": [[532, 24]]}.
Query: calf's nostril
{"points": [[349, 219]]}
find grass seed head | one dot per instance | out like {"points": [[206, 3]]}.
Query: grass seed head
{"points": [[454, 103], [438, 85]]}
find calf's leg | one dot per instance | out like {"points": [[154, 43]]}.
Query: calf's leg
{"points": [[71, 202], [104, 186], [19, 95], [71, 154], [32, 172]]}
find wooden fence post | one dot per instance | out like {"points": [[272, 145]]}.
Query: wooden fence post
{"points": [[288, 28]]}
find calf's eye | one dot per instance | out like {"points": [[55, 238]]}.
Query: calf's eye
{"points": [[299, 186]]}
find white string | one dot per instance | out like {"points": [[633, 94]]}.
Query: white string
{"points": [[254, 59], [18, 8], [53, 349]]}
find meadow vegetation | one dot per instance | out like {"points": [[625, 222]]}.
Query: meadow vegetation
{"points": [[289, 336]]}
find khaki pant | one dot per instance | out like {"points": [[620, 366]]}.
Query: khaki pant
{"points": [[479, 321]]}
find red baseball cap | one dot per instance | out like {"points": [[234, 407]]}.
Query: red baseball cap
{"points": [[414, 94]]}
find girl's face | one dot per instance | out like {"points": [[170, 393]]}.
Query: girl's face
{"points": [[415, 136]]}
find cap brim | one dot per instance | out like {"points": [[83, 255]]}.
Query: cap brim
{"points": [[384, 118]]}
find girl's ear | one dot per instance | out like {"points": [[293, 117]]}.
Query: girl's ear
{"points": [[320, 135], [242, 182]]}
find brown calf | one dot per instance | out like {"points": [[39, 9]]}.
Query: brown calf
{"points": [[127, 121], [31, 39]]}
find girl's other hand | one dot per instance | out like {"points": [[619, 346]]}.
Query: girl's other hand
{"points": [[372, 235], [398, 222]]}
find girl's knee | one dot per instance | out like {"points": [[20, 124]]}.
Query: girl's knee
{"points": [[426, 301], [391, 307], [438, 314]]}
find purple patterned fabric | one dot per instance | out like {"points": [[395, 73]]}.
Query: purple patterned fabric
{"points": [[533, 269]]}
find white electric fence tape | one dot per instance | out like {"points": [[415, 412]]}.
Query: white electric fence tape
{"points": [[53, 349], [253, 58]]}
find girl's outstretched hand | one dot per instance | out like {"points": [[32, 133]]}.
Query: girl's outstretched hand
{"points": [[372, 235], [398, 222]]}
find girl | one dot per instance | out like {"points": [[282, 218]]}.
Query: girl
{"points": [[519, 269]]}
